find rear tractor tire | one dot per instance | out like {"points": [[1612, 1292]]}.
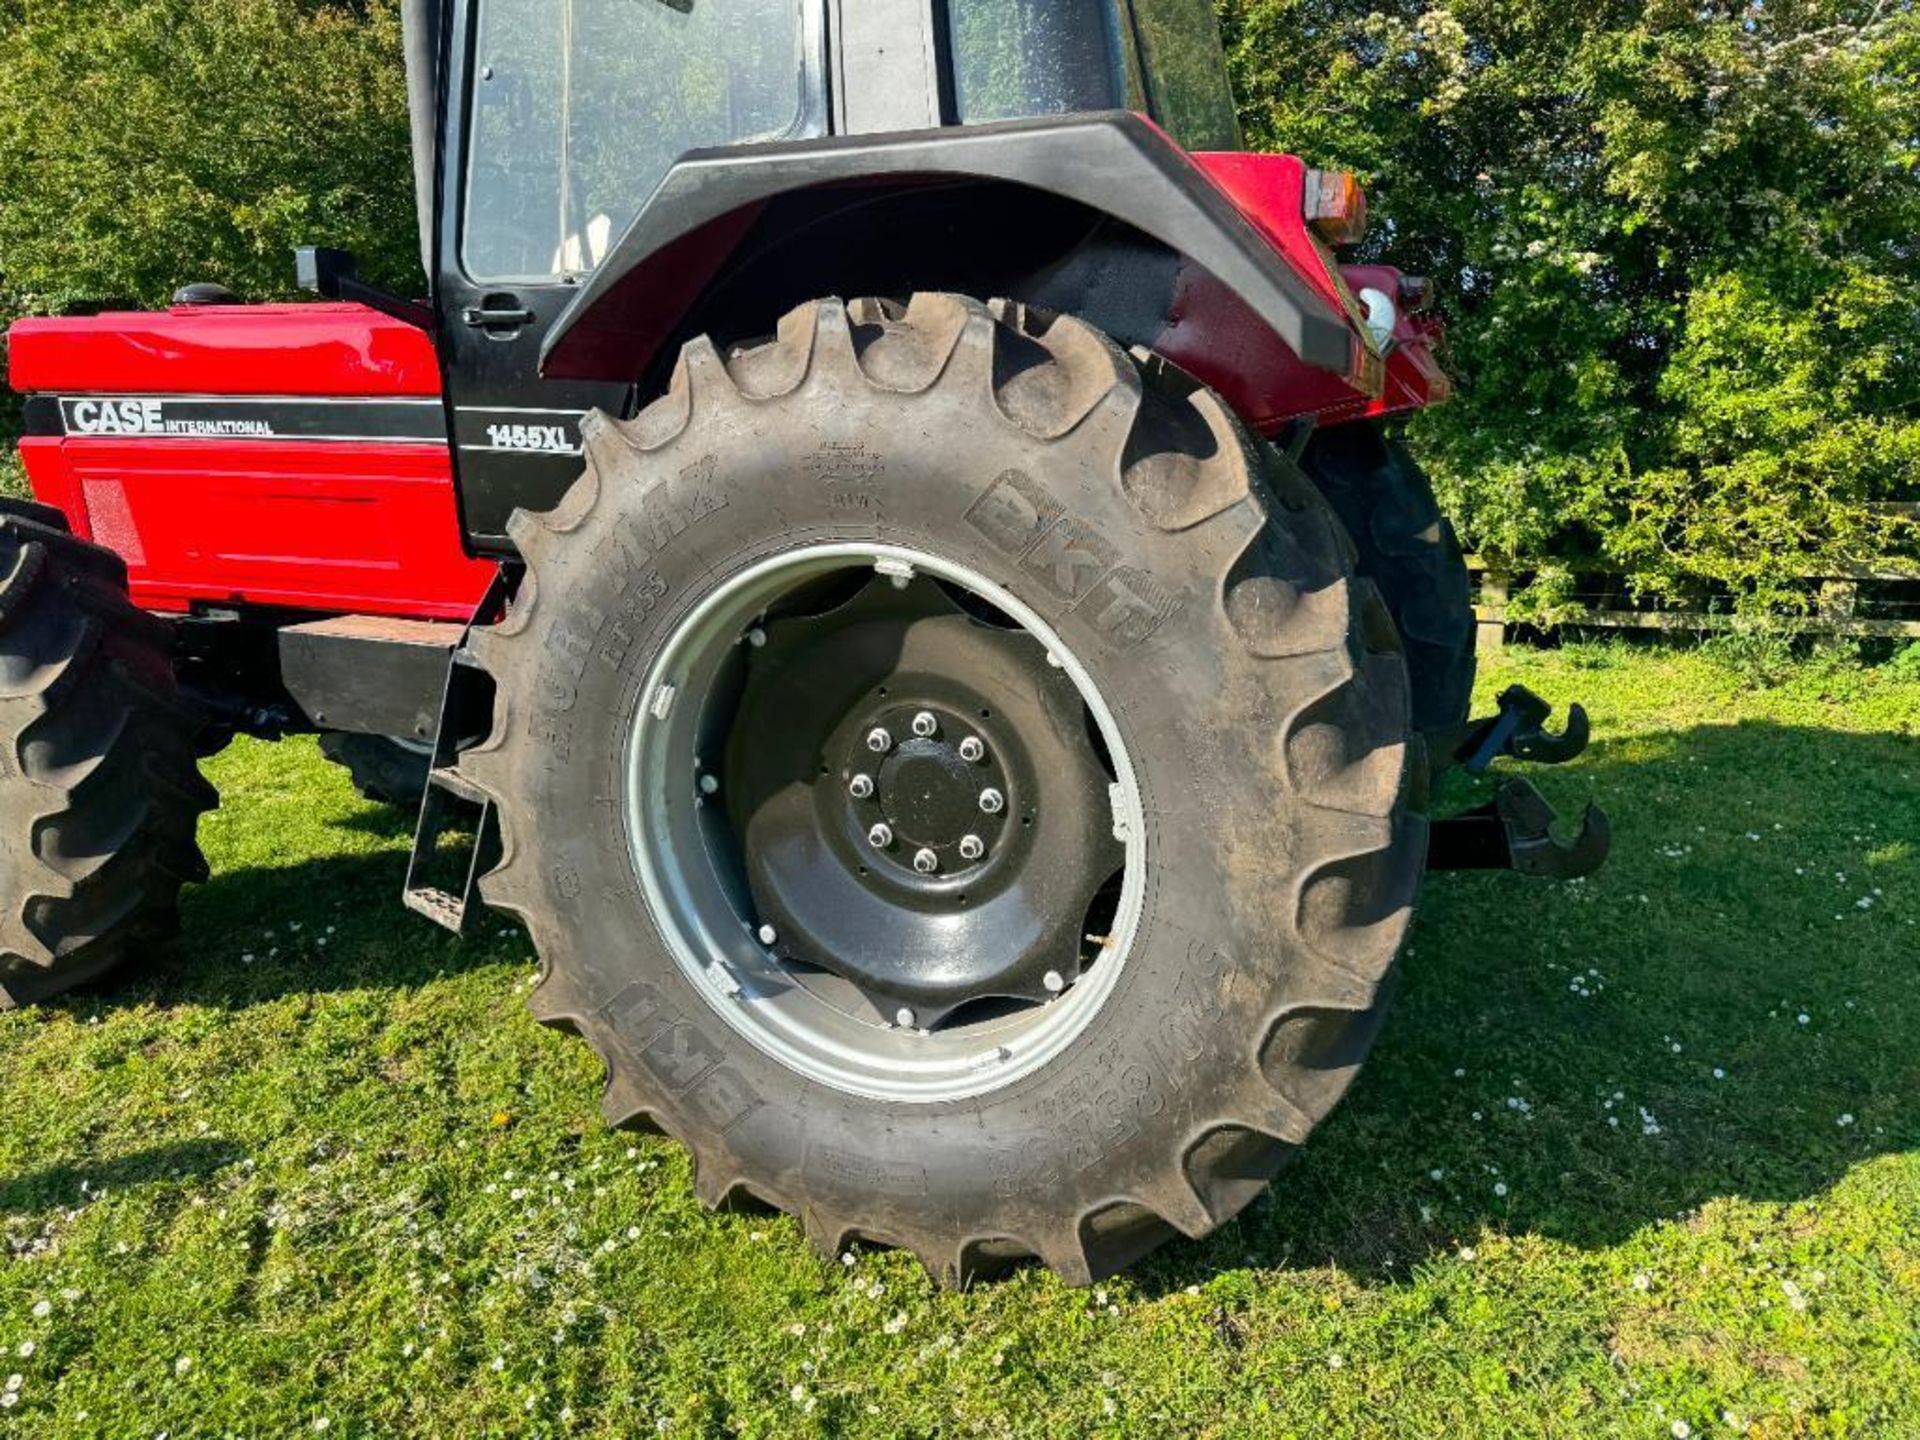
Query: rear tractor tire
{"points": [[958, 787], [100, 791]]}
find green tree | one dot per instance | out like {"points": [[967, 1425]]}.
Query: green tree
{"points": [[146, 143]]}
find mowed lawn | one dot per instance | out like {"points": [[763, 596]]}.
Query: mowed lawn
{"points": [[1637, 1156]]}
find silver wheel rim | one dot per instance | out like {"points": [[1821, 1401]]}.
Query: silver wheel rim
{"points": [[678, 845]]}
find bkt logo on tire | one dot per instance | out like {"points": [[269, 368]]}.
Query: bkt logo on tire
{"points": [[117, 417]]}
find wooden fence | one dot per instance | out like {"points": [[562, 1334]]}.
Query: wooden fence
{"points": [[1881, 599], [1837, 611]]}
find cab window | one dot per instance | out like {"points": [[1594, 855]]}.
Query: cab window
{"points": [[579, 108], [1186, 72], [1015, 58]]}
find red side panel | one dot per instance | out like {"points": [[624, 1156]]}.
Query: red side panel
{"points": [[1270, 190], [1215, 336], [366, 529], [284, 455]]}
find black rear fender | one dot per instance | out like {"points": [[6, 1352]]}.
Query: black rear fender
{"points": [[1094, 213]]}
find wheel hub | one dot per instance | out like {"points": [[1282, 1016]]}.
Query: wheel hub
{"points": [[924, 815], [930, 797]]}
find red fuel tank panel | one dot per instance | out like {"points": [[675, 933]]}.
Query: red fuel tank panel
{"points": [[317, 349], [287, 455]]}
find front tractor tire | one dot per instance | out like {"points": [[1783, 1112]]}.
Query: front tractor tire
{"points": [[385, 769], [955, 781], [100, 791]]}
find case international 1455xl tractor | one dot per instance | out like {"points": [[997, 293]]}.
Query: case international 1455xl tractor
{"points": [[880, 548]]}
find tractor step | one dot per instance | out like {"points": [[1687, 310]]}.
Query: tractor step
{"points": [[443, 907], [458, 838], [451, 811]]}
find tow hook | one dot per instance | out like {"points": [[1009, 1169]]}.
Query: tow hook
{"points": [[1513, 831], [1518, 730]]}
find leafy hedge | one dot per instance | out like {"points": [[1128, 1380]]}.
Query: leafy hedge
{"points": [[154, 141], [1675, 240], [1678, 245]]}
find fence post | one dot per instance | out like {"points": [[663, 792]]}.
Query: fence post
{"points": [[1493, 610], [1837, 600]]}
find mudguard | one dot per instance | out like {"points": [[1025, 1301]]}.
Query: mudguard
{"points": [[1116, 163]]}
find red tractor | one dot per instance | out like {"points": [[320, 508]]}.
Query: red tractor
{"points": [[960, 751]]}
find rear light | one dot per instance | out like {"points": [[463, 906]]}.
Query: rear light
{"points": [[1416, 293], [1336, 207]]}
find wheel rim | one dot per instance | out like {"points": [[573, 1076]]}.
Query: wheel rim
{"points": [[958, 952]]}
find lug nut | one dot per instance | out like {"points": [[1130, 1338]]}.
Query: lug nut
{"points": [[756, 637], [992, 802], [925, 861], [879, 741], [768, 935], [880, 836], [972, 847], [709, 784], [860, 787], [972, 751], [904, 1018], [925, 725], [1054, 981]]}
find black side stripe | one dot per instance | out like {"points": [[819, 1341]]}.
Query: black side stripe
{"points": [[42, 416], [182, 417]]}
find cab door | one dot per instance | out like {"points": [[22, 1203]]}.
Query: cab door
{"points": [[560, 118], [516, 437], [505, 269]]}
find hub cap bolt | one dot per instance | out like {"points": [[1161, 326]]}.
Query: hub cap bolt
{"points": [[708, 784], [768, 935], [879, 741], [904, 1018], [756, 637], [992, 802], [926, 862], [860, 787], [971, 847], [1054, 981], [924, 725], [972, 751], [880, 836]]}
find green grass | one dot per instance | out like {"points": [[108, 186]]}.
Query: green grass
{"points": [[312, 1162], [13, 474]]}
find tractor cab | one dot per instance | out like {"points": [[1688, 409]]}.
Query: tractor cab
{"points": [[567, 128], [545, 136]]}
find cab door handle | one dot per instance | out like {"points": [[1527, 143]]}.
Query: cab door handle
{"points": [[493, 316]]}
